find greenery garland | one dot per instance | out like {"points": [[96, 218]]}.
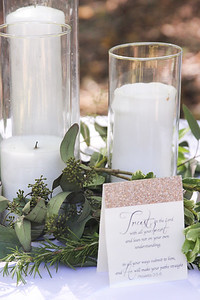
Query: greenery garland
{"points": [[66, 226]]}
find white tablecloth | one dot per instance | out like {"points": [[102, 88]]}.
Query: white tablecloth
{"points": [[86, 283]]}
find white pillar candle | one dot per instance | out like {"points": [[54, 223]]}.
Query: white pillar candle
{"points": [[36, 72], [143, 128], [22, 163], [36, 13]]}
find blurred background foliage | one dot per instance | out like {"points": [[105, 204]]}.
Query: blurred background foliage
{"points": [[106, 23]]}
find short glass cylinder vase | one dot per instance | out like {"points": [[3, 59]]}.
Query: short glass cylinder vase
{"points": [[35, 99], [57, 11], [144, 105]]}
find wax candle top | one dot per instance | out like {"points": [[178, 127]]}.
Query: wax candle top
{"points": [[37, 13], [24, 144], [129, 95]]}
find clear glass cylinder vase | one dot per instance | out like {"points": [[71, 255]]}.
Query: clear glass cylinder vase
{"points": [[35, 102], [55, 11], [144, 104]]}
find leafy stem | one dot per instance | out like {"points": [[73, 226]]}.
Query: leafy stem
{"points": [[188, 160], [114, 172], [101, 162]]}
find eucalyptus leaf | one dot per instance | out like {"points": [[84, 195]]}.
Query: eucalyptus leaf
{"points": [[196, 247], [76, 198], [23, 232], [187, 246], [192, 253], [102, 130], [8, 240], [68, 143], [139, 175], [186, 173], [193, 234], [181, 157], [56, 182], [27, 208], [183, 150], [198, 167], [184, 144], [192, 122], [68, 186], [85, 132], [55, 203], [149, 175], [191, 246], [191, 256], [188, 203], [97, 180], [188, 196], [96, 158], [182, 132], [38, 213], [85, 212], [84, 167], [36, 230], [189, 216], [191, 183], [97, 198], [197, 207], [3, 203], [195, 226], [77, 224], [189, 250], [76, 227], [198, 216]]}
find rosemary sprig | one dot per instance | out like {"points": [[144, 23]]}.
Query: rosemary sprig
{"points": [[74, 253]]}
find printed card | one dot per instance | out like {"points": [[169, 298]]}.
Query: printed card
{"points": [[141, 231]]}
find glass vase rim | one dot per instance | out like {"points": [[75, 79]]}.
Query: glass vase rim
{"points": [[67, 30], [131, 58]]}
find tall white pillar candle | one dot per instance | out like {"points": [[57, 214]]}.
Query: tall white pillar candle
{"points": [[36, 13], [36, 71], [143, 128], [22, 163]]}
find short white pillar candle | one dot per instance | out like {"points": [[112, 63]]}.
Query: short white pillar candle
{"points": [[143, 128], [26, 158]]}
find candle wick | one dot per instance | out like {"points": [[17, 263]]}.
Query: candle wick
{"points": [[36, 145]]}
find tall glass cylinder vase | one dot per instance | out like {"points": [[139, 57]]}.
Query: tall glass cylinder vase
{"points": [[144, 104], [55, 11], [35, 102]]}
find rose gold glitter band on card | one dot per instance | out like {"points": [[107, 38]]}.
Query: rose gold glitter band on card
{"points": [[145, 191]]}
